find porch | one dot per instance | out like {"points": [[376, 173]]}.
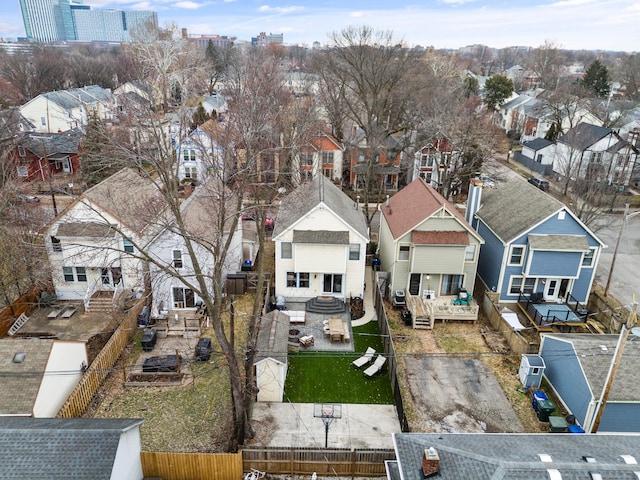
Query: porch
{"points": [[563, 316], [428, 309]]}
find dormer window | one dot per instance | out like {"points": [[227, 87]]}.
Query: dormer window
{"points": [[21, 151]]}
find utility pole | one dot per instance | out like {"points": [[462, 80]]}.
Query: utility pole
{"points": [[626, 216], [622, 340]]}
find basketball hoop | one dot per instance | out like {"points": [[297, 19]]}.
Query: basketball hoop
{"points": [[327, 412]]}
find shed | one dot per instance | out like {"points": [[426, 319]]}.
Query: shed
{"points": [[270, 361], [531, 370]]}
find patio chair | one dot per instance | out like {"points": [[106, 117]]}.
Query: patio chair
{"points": [[364, 359], [376, 366]]}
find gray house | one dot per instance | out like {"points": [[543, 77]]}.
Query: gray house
{"points": [[577, 366]]}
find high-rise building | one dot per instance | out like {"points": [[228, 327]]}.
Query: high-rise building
{"points": [[69, 20]]}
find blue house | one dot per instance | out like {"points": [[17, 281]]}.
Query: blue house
{"points": [[534, 245], [577, 368]]}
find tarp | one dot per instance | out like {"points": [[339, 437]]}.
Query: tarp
{"points": [[512, 319]]}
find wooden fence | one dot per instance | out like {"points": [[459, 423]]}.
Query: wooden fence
{"points": [[192, 466], [86, 388], [24, 304], [327, 462]]}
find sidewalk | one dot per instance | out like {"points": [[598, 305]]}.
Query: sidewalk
{"points": [[369, 311]]}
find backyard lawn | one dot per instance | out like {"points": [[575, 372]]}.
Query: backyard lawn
{"points": [[315, 377]]}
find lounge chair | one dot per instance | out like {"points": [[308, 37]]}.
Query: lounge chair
{"points": [[376, 366], [364, 359]]}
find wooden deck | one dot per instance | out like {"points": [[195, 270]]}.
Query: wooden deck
{"points": [[426, 312]]}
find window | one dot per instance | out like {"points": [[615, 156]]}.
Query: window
{"points": [[427, 160], [128, 246], [354, 251], [43, 121], [306, 159], [515, 258], [360, 157], [403, 254], [516, 285], [332, 283], [587, 258], [470, 253], [183, 298], [74, 274], [286, 250], [327, 172], [81, 274], [529, 285], [426, 176], [298, 279], [189, 155], [535, 371], [327, 157], [177, 259], [191, 173], [21, 151], [68, 274], [23, 171], [55, 243], [306, 175]]}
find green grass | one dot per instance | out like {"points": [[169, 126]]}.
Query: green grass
{"points": [[315, 377]]}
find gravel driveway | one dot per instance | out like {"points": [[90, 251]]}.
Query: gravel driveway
{"points": [[458, 395]]}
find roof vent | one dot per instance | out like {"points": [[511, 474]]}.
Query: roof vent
{"points": [[588, 459], [554, 474], [629, 459], [545, 458], [19, 357], [430, 462]]}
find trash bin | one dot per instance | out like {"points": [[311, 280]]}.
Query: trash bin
{"points": [[545, 409], [575, 429], [536, 397], [557, 424], [406, 316]]}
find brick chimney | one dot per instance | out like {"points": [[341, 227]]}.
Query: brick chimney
{"points": [[430, 462]]}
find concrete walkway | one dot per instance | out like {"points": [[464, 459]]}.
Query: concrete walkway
{"points": [[369, 311]]}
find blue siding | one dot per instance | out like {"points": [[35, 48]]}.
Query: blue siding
{"points": [[555, 264], [581, 285], [490, 258], [563, 371], [620, 417]]}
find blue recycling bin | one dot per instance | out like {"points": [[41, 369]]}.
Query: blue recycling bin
{"points": [[536, 397]]}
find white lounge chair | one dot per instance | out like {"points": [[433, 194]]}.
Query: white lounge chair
{"points": [[364, 359], [376, 366]]}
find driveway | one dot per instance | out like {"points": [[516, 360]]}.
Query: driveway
{"points": [[458, 395]]}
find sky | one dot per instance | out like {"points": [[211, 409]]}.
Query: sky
{"points": [[568, 24]]}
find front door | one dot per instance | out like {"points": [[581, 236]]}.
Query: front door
{"points": [[414, 283], [551, 290]]}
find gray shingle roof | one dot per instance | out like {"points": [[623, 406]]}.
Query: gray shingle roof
{"points": [[308, 196], [506, 456], [325, 237], [60, 448], [63, 99], [273, 337], [584, 135], [21, 381], [85, 229], [538, 144], [52, 144], [559, 242], [515, 207]]}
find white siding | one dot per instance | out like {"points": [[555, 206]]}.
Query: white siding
{"points": [[127, 464], [320, 258], [270, 377]]}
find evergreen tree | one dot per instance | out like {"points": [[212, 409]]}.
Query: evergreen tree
{"points": [[199, 117], [496, 90], [596, 79]]}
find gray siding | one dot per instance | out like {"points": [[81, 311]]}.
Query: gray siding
{"points": [[441, 259]]}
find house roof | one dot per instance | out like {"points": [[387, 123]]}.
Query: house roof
{"points": [[515, 207], [537, 144], [584, 135], [10, 120], [326, 237], [52, 144], [596, 361], [319, 192], [273, 337], [558, 242], [440, 238], [63, 99], [21, 381], [61, 448], [517, 456], [412, 205], [85, 229], [202, 210]]}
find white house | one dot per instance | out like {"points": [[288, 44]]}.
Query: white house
{"points": [[39, 375], [53, 112], [321, 239], [207, 209], [89, 244], [540, 150], [199, 153]]}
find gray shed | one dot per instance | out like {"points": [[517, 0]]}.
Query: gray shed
{"points": [[531, 370]]}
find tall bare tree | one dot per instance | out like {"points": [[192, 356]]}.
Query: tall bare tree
{"points": [[546, 62]]}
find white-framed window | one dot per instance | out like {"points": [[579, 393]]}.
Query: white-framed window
{"points": [[426, 176], [529, 285], [588, 258], [403, 252], [286, 250], [298, 279], [21, 151], [128, 246], [191, 172], [327, 157], [470, 253], [23, 170], [74, 274], [306, 175], [451, 284], [177, 259], [515, 285], [183, 297], [189, 155], [427, 160], [516, 255], [332, 283], [306, 159], [354, 251]]}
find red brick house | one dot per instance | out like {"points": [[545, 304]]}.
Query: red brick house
{"points": [[40, 156], [385, 167]]}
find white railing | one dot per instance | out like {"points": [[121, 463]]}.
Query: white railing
{"points": [[89, 293]]}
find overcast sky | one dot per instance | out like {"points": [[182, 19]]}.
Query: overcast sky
{"points": [[570, 24]]}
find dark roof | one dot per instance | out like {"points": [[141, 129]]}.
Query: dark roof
{"points": [[537, 144], [515, 207], [319, 192], [517, 457], [85, 229], [60, 448], [325, 237], [63, 99], [52, 144], [273, 337], [436, 237], [584, 135]]}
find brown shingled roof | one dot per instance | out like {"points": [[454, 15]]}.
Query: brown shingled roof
{"points": [[436, 237]]}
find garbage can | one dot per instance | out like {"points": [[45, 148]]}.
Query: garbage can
{"points": [[575, 429], [546, 408], [557, 424], [536, 397]]}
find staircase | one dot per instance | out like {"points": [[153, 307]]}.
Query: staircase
{"points": [[101, 302], [325, 305]]}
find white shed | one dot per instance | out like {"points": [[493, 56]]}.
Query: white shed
{"points": [[270, 361], [531, 370]]}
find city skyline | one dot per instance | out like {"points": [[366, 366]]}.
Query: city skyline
{"points": [[569, 24]]}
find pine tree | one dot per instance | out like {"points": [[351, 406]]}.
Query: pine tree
{"points": [[596, 79]]}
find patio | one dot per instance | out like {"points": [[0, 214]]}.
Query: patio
{"points": [[564, 317], [314, 325]]}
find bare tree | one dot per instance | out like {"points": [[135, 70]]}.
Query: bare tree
{"points": [[546, 62]]}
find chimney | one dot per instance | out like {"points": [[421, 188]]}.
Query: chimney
{"points": [[473, 200], [430, 463], [387, 200]]}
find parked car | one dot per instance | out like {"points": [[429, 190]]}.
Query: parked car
{"points": [[541, 183], [149, 338], [162, 363], [203, 350], [487, 181]]}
